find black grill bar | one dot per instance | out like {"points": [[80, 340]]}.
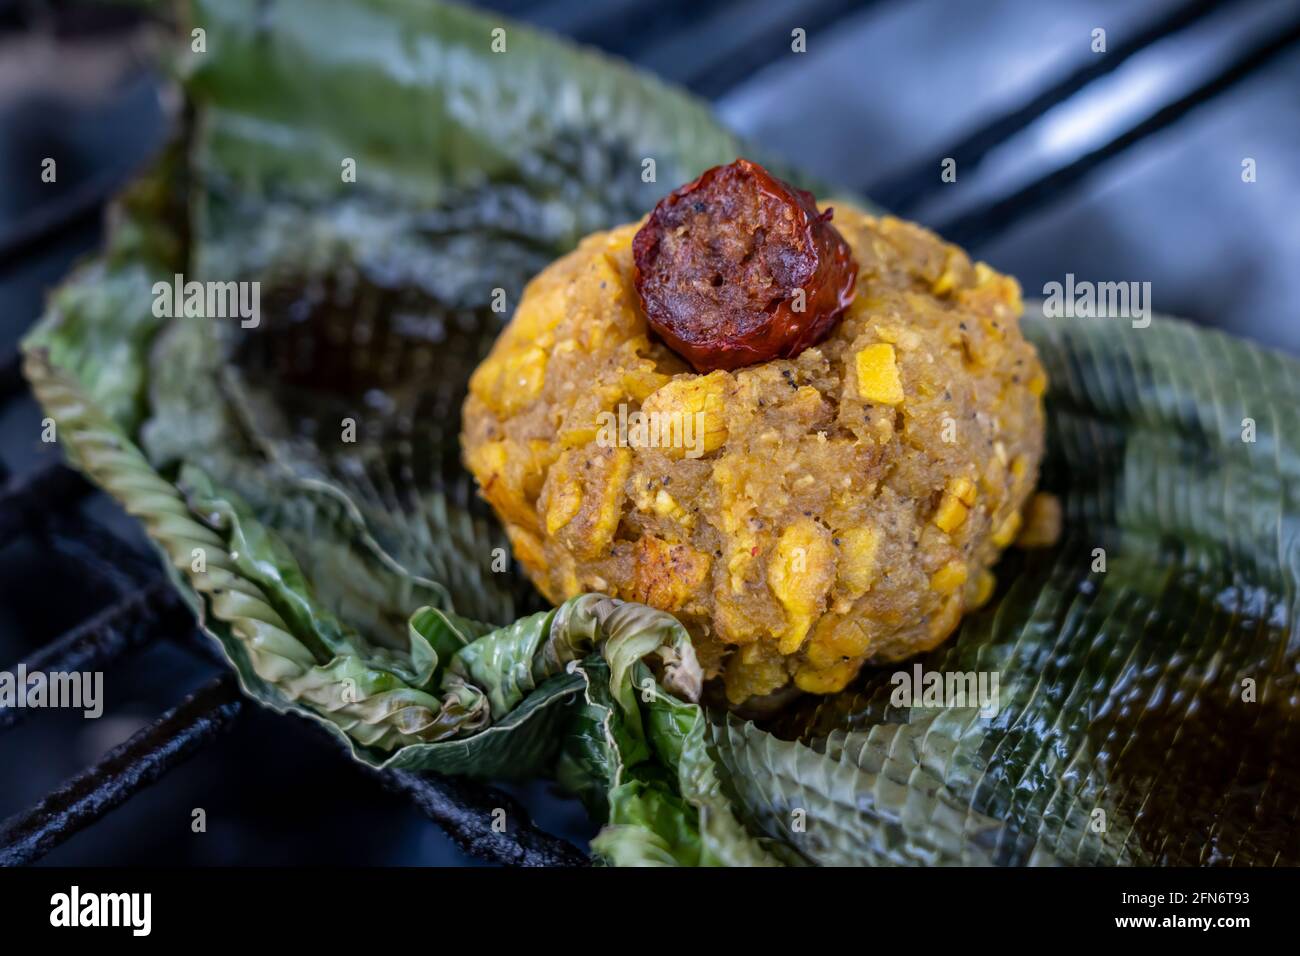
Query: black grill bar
{"points": [[618, 26], [902, 192], [742, 39], [464, 810], [989, 219], [11, 373], [460, 806], [106, 637], [27, 498], [126, 769], [81, 205], [100, 551]]}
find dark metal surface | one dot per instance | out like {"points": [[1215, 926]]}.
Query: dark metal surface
{"points": [[82, 205], [140, 761], [28, 498], [992, 218], [901, 193], [108, 636], [11, 373], [467, 811], [884, 95]]}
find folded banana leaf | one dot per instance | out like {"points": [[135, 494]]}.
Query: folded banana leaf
{"points": [[390, 172]]}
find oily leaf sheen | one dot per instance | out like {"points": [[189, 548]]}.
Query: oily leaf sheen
{"points": [[301, 479], [1147, 710]]}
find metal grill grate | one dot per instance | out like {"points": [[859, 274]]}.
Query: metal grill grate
{"points": [[463, 808], [150, 610]]}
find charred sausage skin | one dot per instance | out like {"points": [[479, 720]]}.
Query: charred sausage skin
{"points": [[739, 267]]}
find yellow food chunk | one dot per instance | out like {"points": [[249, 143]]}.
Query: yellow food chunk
{"points": [[896, 335], [608, 491], [563, 503], [1006, 532], [835, 638], [958, 498], [542, 455], [858, 549], [1005, 288], [667, 575], [754, 669], [1042, 522], [944, 621], [878, 379], [963, 489], [666, 506], [583, 494], [951, 513], [800, 572], [689, 414], [579, 435], [643, 381], [828, 680], [544, 305], [949, 578], [498, 466], [984, 587], [508, 381], [953, 268], [527, 548]]}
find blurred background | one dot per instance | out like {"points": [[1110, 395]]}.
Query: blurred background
{"points": [[1122, 165]]}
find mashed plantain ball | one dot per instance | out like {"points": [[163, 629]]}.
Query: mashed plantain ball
{"points": [[800, 516]]}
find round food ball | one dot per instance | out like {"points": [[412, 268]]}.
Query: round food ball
{"points": [[800, 516]]}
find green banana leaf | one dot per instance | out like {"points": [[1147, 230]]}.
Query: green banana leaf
{"points": [[301, 480]]}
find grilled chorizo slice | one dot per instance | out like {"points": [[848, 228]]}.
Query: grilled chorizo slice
{"points": [[739, 267]]}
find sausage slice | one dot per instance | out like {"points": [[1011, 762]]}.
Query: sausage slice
{"points": [[739, 267]]}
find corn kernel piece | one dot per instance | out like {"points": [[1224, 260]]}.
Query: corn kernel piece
{"points": [[858, 551], [984, 587], [1006, 532], [1037, 384], [963, 489], [951, 513], [949, 578], [878, 378], [800, 572], [950, 276]]}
